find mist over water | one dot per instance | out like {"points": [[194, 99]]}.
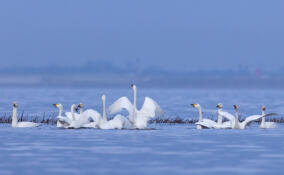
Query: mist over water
{"points": [[176, 52]]}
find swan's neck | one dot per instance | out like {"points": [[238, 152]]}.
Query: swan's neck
{"points": [[263, 118], [220, 119], [237, 119], [60, 111], [81, 110], [134, 99], [15, 117], [200, 114], [72, 113], [104, 110], [134, 104]]}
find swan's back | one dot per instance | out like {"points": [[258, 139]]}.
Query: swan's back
{"points": [[26, 124], [268, 125], [126, 124], [227, 125]]}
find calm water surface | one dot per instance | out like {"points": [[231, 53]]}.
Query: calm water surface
{"points": [[163, 149]]}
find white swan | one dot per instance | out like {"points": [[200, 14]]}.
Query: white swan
{"points": [[264, 124], [72, 119], [242, 125], [118, 122], [207, 123], [227, 115], [202, 123], [139, 118], [84, 116], [62, 121], [16, 124], [101, 122], [72, 115]]}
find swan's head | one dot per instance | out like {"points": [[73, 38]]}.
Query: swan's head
{"points": [[80, 105], [104, 97], [263, 108], [75, 107], [133, 86], [219, 106], [15, 105], [195, 105], [58, 105], [236, 107]]}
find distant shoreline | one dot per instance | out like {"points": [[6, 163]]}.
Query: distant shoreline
{"points": [[100, 81]]}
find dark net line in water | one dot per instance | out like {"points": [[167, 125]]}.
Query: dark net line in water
{"points": [[44, 119], [51, 119]]}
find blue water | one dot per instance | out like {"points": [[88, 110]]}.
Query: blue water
{"points": [[163, 149]]}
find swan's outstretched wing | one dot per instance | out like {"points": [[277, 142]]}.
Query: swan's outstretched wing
{"points": [[150, 109], [255, 117], [120, 104], [93, 114], [227, 116], [251, 119]]}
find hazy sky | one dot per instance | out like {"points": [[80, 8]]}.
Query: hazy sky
{"points": [[177, 34]]}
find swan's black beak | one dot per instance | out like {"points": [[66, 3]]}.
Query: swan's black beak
{"points": [[236, 107], [132, 85], [193, 105], [55, 105], [264, 108]]}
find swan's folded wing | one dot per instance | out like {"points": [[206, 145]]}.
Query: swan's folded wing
{"points": [[209, 122], [205, 124], [120, 104], [227, 116], [150, 108], [64, 120]]}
